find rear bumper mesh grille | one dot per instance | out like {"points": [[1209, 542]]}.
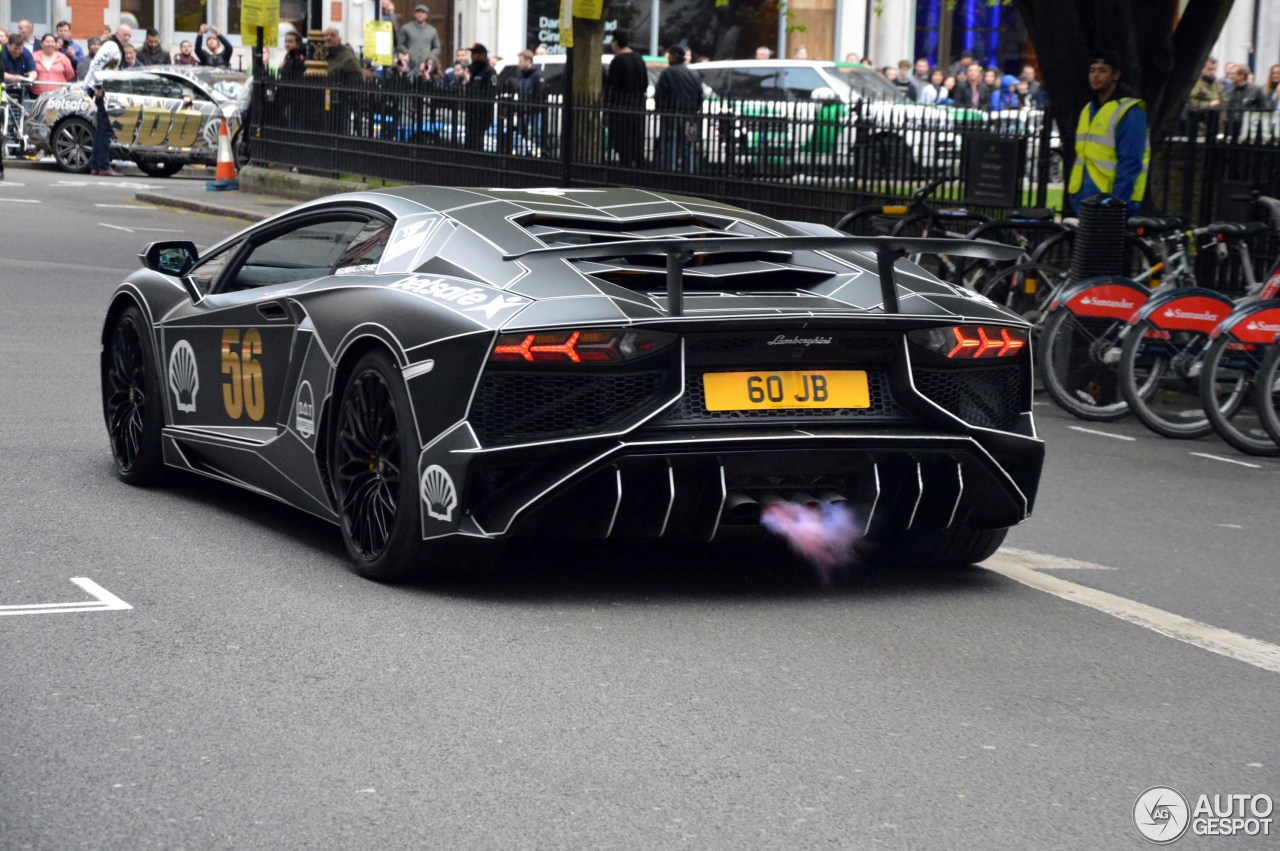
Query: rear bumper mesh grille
{"points": [[989, 397], [513, 407]]}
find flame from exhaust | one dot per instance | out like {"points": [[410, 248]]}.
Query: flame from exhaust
{"points": [[823, 534]]}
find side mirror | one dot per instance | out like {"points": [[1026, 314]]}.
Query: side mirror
{"points": [[173, 257]]}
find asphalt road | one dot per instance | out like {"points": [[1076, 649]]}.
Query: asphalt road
{"points": [[258, 695]]}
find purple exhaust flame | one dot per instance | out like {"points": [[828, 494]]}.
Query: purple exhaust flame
{"points": [[822, 534]]}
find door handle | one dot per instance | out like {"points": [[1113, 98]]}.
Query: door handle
{"points": [[273, 311]]}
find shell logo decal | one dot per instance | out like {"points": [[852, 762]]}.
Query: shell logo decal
{"points": [[305, 411], [438, 493], [183, 378]]}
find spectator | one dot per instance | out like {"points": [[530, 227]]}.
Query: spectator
{"points": [[532, 94], [905, 81], [889, 73], [678, 98], [971, 91], [1272, 87], [922, 73], [1208, 93], [1226, 78], [1006, 96], [27, 35], [130, 58], [1112, 151], [1243, 98], [624, 90], [82, 67], [848, 57], [961, 65], [932, 91], [430, 71], [294, 64], [949, 87], [186, 54], [1028, 76], [107, 57], [540, 50], [52, 67], [481, 79], [802, 52], [990, 80], [400, 68], [343, 66], [215, 50], [763, 52], [387, 12], [4, 37], [152, 53], [461, 57], [419, 37], [19, 64], [74, 53]]}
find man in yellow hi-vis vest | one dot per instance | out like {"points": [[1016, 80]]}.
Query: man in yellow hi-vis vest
{"points": [[1112, 151]]}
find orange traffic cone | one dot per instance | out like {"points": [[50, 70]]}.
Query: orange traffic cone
{"points": [[225, 176]]}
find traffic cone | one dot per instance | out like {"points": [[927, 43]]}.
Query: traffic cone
{"points": [[225, 176]]}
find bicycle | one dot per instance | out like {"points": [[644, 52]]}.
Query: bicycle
{"points": [[1162, 359], [13, 119], [1085, 324]]}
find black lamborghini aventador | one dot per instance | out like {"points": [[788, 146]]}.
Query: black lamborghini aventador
{"points": [[437, 370]]}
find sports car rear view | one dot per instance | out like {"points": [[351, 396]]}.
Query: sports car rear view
{"points": [[439, 370]]}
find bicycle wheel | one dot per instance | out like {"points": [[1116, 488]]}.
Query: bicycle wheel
{"points": [[1055, 250], [1231, 369], [938, 265], [1158, 371], [1266, 393], [1024, 288], [1078, 357]]}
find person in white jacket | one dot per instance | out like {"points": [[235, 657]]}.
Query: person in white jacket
{"points": [[109, 56]]}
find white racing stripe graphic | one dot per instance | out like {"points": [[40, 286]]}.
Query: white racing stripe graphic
{"points": [[105, 602], [1020, 566], [1101, 433]]}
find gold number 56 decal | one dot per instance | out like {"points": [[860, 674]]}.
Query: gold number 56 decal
{"points": [[242, 391]]}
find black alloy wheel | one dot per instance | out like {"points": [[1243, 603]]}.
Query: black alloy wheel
{"points": [[131, 401], [73, 145], [374, 466], [368, 455]]}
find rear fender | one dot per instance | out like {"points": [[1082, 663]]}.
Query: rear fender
{"points": [[1191, 309], [1110, 296], [1257, 322]]}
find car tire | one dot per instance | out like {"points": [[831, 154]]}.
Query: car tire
{"points": [[132, 400], [158, 168], [950, 548], [373, 464], [72, 144]]}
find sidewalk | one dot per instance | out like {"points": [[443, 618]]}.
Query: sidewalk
{"points": [[264, 192]]}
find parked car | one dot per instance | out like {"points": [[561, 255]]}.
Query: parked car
{"points": [[796, 114], [165, 117]]}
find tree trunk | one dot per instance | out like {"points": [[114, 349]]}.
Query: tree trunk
{"points": [[588, 87]]}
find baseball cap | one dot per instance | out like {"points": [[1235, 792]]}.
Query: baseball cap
{"points": [[421, 7]]}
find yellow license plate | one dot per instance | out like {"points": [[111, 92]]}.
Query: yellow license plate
{"points": [[758, 391]]}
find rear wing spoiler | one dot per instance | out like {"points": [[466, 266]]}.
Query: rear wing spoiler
{"points": [[888, 250]]}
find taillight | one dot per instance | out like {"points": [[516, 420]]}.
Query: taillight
{"points": [[615, 345], [972, 342]]}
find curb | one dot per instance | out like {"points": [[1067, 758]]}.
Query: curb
{"points": [[200, 207]]}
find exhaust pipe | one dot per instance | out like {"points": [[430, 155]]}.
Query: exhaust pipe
{"points": [[832, 496], [740, 508]]}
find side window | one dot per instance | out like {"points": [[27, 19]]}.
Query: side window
{"points": [[362, 256], [800, 83], [119, 85], [150, 86], [717, 81], [300, 254], [756, 84], [210, 268]]}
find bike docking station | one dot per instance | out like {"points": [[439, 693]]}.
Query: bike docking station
{"points": [[225, 177]]}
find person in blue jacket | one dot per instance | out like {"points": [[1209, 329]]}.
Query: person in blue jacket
{"points": [[1112, 149]]}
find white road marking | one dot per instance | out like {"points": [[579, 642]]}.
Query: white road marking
{"points": [[1227, 460], [1021, 566], [1044, 562], [119, 184], [1102, 433], [5, 183], [127, 206], [105, 602], [21, 200], [138, 230]]}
